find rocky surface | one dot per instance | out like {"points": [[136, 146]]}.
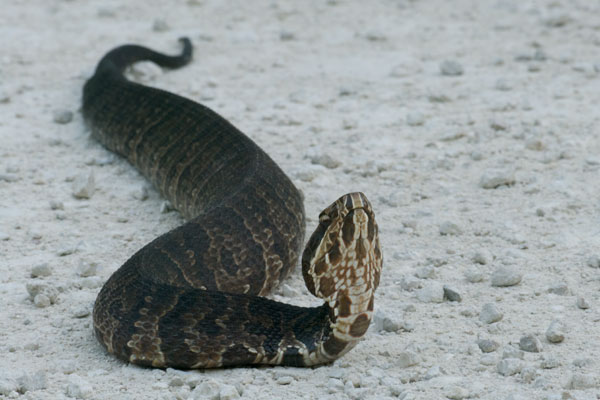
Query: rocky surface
{"points": [[471, 126]]}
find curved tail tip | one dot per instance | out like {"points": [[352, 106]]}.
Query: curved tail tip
{"points": [[186, 53]]}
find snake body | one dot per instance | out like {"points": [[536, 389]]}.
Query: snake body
{"points": [[192, 298]]}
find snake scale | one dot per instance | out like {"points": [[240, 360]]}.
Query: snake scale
{"points": [[192, 298]]}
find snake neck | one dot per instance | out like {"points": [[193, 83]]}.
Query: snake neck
{"points": [[350, 313]]}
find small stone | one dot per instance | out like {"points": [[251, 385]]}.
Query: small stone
{"points": [[62, 116], [86, 269], [474, 275], [490, 314], [504, 277], [35, 289], [481, 257], [41, 270], [8, 384], [9, 177], [582, 303], [528, 374], [426, 272], [450, 228], [560, 289], [81, 311], [509, 366], [451, 68], [593, 261], [451, 294], [512, 352], [325, 160], [550, 362], [91, 282], [56, 205], [407, 359], [432, 293], [410, 283], [535, 144], [41, 301], [285, 380], [582, 382], [166, 207], [530, 343], [487, 359], [78, 388], [415, 119], [492, 179], [83, 186], [30, 382], [557, 20], [487, 345], [555, 332], [141, 193], [228, 392], [457, 393], [286, 36], [503, 85], [209, 389], [160, 25]]}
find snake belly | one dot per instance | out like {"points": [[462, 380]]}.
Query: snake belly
{"points": [[191, 298]]}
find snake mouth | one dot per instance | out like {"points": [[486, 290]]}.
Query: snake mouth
{"points": [[343, 253]]}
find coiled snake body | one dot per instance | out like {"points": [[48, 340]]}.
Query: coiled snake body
{"points": [[191, 298]]}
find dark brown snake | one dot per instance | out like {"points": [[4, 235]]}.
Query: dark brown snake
{"points": [[191, 298]]}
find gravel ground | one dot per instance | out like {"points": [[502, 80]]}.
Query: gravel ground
{"points": [[471, 125]]}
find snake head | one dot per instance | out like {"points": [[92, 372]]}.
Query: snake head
{"points": [[343, 254]]}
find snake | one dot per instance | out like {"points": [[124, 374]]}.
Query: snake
{"points": [[194, 297]]}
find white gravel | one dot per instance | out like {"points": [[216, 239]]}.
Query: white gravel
{"points": [[345, 96]]}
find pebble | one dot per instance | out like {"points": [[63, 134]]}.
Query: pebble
{"points": [[579, 381], [474, 275], [593, 261], [30, 382], [509, 366], [492, 179], [490, 314], [530, 343], [9, 177], [289, 291], [160, 25], [503, 85], [83, 186], [385, 323], [62, 116], [41, 270], [4, 236], [8, 383], [560, 289], [56, 205], [487, 345], [81, 311], [325, 160], [166, 207], [457, 393], [432, 293], [86, 269], [407, 359], [426, 272], [550, 362], [228, 392], [415, 119], [37, 289], [410, 283], [481, 257], [450, 228], [141, 193], [451, 68], [528, 374], [582, 303], [286, 36], [505, 276], [451, 294], [487, 359], [209, 390], [78, 388], [41, 301], [555, 332], [284, 380], [512, 352]]}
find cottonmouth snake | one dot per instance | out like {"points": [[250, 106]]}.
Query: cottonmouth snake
{"points": [[191, 298]]}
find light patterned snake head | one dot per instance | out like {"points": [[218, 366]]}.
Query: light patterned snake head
{"points": [[343, 256]]}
